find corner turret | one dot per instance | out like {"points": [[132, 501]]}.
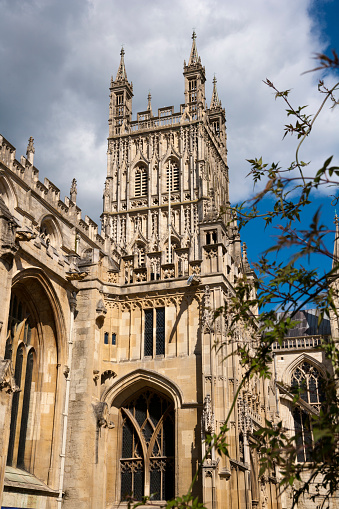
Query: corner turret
{"points": [[216, 114], [194, 74], [120, 111]]}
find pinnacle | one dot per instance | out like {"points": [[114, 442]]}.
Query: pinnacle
{"points": [[194, 57], [149, 105], [122, 74], [215, 101]]}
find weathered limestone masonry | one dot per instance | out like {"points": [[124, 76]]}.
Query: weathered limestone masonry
{"points": [[110, 337], [44, 241], [178, 257]]}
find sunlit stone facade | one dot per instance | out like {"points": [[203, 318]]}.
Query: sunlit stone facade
{"points": [[112, 339]]}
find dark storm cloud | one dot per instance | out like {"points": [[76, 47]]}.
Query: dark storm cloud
{"points": [[57, 56]]}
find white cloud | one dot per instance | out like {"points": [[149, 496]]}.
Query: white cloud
{"points": [[57, 56]]}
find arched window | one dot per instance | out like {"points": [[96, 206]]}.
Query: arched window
{"points": [[32, 347], [173, 181], [49, 232], [141, 181], [308, 379], [20, 351], [147, 451]]}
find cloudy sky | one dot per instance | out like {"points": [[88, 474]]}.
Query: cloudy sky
{"points": [[57, 56]]}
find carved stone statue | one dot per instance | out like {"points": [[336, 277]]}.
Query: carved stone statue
{"points": [[73, 191]]}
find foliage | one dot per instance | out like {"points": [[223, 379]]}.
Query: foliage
{"points": [[290, 286]]}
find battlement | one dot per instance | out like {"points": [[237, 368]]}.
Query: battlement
{"points": [[27, 174]]}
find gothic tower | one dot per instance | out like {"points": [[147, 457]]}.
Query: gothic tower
{"points": [[166, 173], [177, 255]]}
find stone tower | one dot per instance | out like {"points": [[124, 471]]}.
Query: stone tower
{"points": [[177, 248], [181, 156]]}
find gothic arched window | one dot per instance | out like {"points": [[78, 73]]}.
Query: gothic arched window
{"points": [[147, 452], [173, 181], [48, 232], [141, 182], [308, 379], [31, 345], [20, 350]]}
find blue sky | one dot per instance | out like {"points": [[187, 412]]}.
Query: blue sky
{"points": [[326, 16], [57, 56]]}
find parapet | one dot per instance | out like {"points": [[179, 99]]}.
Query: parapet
{"points": [[48, 192]]}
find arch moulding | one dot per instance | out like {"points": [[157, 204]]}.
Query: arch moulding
{"points": [[23, 277], [127, 385], [303, 357]]}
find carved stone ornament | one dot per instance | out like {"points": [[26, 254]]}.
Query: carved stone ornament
{"points": [[207, 319], [168, 273], [211, 252], [100, 308], [8, 227], [244, 418], [263, 492], [76, 275], [209, 466], [7, 382], [101, 413], [30, 146], [113, 277], [25, 235], [73, 189], [208, 415], [195, 269]]}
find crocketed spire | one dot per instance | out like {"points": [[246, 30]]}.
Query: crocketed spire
{"points": [[121, 74], [215, 101], [194, 57]]}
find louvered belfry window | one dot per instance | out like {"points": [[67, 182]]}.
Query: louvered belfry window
{"points": [[309, 380], [141, 182], [147, 456], [173, 176]]}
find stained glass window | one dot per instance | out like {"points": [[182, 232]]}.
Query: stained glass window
{"points": [[159, 344], [18, 349], [147, 455], [148, 338], [160, 331], [309, 380]]}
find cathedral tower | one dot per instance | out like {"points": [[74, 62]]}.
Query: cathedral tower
{"points": [[167, 172], [177, 255]]}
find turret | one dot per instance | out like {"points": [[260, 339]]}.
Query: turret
{"points": [[216, 114], [194, 74], [120, 113]]}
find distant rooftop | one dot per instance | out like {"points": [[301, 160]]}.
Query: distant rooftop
{"points": [[308, 324]]}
